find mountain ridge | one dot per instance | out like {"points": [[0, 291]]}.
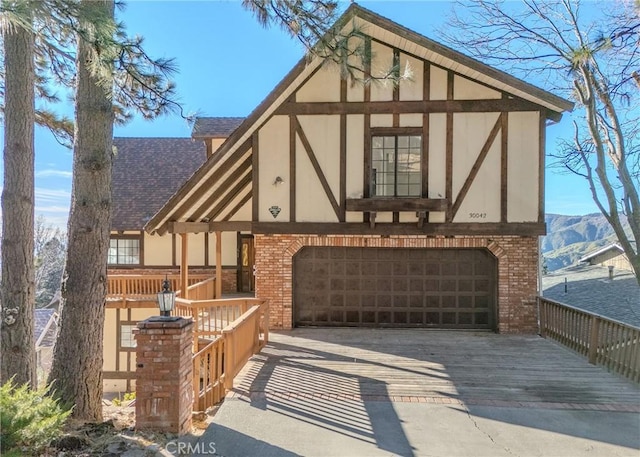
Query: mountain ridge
{"points": [[571, 237]]}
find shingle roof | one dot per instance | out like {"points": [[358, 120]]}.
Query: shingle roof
{"points": [[215, 127], [42, 318], [146, 173]]}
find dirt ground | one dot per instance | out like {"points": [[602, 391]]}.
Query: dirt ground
{"points": [[116, 436]]}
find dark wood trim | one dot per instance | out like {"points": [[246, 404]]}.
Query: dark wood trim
{"points": [[396, 204], [406, 107], [230, 226], [206, 248], [173, 250], [449, 151], [255, 148], [118, 337], [366, 185], [542, 145], [228, 198], [476, 166], [426, 94], [209, 146], [192, 268], [343, 154], [222, 189], [142, 248], [396, 85], [292, 168], [367, 68], [462, 59], [395, 217], [358, 228], [449, 165], [548, 113], [504, 163], [211, 182], [316, 166], [237, 208], [382, 131]]}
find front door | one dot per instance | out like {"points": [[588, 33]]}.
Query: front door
{"points": [[246, 261]]}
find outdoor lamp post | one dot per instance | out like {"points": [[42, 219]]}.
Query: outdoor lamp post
{"points": [[166, 298]]}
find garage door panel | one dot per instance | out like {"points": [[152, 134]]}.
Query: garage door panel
{"points": [[449, 288]]}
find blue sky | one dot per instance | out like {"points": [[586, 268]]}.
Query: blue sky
{"points": [[227, 65]]}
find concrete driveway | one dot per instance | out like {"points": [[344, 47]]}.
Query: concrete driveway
{"points": [[362, 392]]}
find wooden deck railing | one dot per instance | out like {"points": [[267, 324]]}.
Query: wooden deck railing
{"points": [[607, 342], [142, 286], [243, 338], [208, 374], [212, 316], [226, 334]]}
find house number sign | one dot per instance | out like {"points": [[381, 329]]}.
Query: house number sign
{"points": [[274, 210]]}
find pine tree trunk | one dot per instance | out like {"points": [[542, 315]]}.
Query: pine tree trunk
{"points": [[18, 290], [77, 364]]}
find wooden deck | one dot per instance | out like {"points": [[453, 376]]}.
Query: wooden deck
{"points": [[431, 366]]}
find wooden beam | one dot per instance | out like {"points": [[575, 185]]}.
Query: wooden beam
{"points": [[396, 204], [383, 131], [211, 181], [476, 166], [218, 293], [424, 153], [184, 266], [222, 188], [228, 198], [255, 215], [407, 107], [372, 219], [343, 154], [230, 226], [504, 163], [237, 208], [292, 168], [188, 227], [449, 150], [542, 140], [396, 85], [318, 170], [431, 228]]}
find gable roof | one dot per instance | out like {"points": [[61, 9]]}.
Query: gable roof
{"points": [[376, 25], [43, 321], [610, 247], [146, 173], [215, 127]]}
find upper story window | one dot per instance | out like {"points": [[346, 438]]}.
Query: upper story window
{"points": [[396, 166], [124, 251]]}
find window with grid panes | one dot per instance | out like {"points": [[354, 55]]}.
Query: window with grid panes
{"points": [[396, 166], [124, 251]]}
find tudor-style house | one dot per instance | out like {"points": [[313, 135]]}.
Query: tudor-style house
{"points": [[348, 204]]}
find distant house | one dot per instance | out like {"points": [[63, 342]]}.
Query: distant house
{"points": [[44, 332], [611, 255]]}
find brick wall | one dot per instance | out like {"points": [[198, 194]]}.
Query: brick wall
{"points": [[164, 375], [517, 270]]}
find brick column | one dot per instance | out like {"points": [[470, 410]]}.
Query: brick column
{"points": [[164, 374]]}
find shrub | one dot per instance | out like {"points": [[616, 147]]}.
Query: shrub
{"points": [[29, 419]]}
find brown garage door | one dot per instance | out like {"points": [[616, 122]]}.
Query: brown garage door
{"points": [[396, 287]]}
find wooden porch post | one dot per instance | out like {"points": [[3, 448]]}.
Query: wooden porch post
{"points": [[184, 266], [218, 265]]}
